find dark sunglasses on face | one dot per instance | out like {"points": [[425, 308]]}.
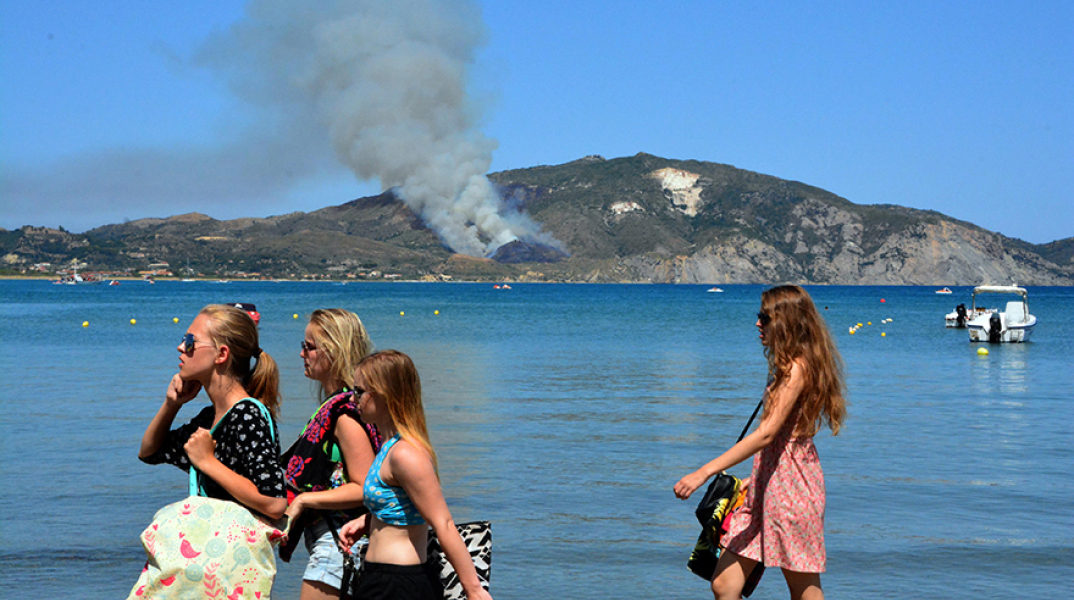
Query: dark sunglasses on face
{"points": [[308, 347], [187, 344], [764, 318]]}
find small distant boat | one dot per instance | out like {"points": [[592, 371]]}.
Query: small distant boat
{"points": [[113, 282], [944, 290], [250, 309], [75, 279], [501, 287], [1013, 324], [714, 289]]}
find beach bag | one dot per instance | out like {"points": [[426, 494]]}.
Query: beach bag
{"points": [[478, 539], [208, 548], [722, 498]]}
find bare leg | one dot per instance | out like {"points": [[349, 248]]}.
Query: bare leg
{"points": [[804, 586], [730, 576], [318, 590]]}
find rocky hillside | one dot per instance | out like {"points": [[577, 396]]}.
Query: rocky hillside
{"points": [[653, 219], [637, 219]]}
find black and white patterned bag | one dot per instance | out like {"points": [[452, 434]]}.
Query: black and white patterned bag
{"points": [[478, 539]]}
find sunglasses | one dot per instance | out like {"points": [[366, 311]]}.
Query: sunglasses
{"points": [[764, 318], [187, 345], [308, 347]]}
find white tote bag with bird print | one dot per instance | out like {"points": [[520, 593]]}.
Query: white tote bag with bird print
{"points": [[207, 548]]}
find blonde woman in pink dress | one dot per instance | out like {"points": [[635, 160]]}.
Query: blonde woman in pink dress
{"points": [[781, 523]]}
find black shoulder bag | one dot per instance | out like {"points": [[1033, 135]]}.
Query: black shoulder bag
{"points": [[722, 489]]}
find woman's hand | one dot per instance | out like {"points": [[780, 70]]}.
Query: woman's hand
{"points": [[689, 484], [295, 509], [479, 594], [200, 448], [352, 531], [181, 391]]}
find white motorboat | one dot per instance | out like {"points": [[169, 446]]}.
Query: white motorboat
{"points": [[714, 289], [944, 290], [1013, 324]]}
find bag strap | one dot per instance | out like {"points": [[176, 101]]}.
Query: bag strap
{"points": [[750, 422], [194, 485], [349, 569]]}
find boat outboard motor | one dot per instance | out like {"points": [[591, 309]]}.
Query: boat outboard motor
{"points": [[995, 328], [960, 310]]}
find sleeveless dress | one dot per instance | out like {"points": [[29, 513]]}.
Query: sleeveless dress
{"points": [[781, 522]]}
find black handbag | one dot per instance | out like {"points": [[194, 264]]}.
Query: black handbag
{"points": [[722, 485], [720, 492]]}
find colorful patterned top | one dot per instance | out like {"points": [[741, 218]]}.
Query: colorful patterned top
{"points": [[390, 504], [314, 462]]}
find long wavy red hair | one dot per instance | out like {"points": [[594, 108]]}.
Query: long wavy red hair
{"points": [[797, 331]]}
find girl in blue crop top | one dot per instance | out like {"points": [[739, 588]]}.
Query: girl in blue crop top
{"points": [[402, 491], [390, 504]]}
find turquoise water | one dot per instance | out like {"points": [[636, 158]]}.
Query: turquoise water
{"points": [[564, 414]]}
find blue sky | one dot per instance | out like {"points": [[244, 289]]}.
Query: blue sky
{"points": [[966, 108]]}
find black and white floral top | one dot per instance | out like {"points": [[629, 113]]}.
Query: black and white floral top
{"points": [[246, 443]]}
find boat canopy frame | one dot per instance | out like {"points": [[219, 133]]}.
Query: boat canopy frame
{"points": [[1001, 289]]}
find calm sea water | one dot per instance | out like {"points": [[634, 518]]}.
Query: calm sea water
{"points": [[564, 414]]}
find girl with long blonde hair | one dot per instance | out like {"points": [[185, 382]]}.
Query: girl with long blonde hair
{"points": [[402, 492], [239, 460], [781, 523], [326, 466]]}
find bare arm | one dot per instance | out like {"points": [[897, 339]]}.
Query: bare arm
{"points": [[357, 458], [413, 470], [781, 400], [179, 393]]}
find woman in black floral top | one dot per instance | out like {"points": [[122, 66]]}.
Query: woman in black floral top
{"points": [[327, 464], [238, 460]]}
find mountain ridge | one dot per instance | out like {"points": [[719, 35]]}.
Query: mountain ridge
{"points": [[631, 219]]}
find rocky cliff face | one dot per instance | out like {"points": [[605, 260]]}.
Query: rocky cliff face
{"points": [[692, 222]]}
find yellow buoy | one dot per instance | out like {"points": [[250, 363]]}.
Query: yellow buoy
{"points": [[401, 313], [868, 322], [295, 316], [851, 331], [133, 321], [982, 351], [85, 323], [859, 324], [882, 334], [436, 312], [175, 319]]}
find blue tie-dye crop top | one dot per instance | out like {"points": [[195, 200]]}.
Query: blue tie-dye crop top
{"points": [[388, 503]]}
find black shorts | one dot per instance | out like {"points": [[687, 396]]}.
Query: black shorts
{"points": [[399, 582]]}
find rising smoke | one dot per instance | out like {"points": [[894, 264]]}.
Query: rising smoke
{"points": [[386, 81]]}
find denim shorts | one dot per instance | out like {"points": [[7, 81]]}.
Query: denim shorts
{"points": [[326, 559]]}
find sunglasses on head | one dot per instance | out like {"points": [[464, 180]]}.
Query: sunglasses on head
{"points": [[764, 318]]}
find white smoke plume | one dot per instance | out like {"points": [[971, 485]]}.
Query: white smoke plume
{"points": [[386, 82]]}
